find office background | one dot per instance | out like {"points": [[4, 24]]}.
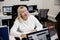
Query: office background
{"points": [[54, 9]]}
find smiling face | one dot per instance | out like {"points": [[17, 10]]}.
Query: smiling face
{"points": [[23, 12]]}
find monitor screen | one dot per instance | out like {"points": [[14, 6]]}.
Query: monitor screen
{"points": [[7, 9], [30, 8]]}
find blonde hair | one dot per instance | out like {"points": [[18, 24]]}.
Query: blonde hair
{"points": [[20, 8]]}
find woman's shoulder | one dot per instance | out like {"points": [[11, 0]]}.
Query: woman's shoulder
{"points": [[16, 21], [31, 16]]}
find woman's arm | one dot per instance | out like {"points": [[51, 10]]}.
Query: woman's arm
{"points": [[38, 25], [14, 28]]}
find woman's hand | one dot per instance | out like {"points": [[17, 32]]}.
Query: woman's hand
{"points": [[24, 36]]}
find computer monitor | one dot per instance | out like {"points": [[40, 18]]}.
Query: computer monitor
{"points": [[39, 35], [32, 8], [7, 9]]}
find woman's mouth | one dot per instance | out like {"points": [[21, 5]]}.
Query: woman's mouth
{"points": [[25, 15]]}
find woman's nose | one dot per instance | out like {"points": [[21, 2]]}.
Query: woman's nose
{"points": [[26, 12]]}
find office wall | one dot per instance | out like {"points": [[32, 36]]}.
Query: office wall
{"points": [[18, 2], [50, 4]]}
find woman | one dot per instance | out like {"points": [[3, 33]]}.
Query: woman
{"points": [[25, 23]]}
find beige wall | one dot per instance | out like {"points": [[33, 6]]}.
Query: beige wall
{"points": [[54, 9]]}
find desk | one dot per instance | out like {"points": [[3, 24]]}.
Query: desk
{"points": [[2, 17], [34, 13]]}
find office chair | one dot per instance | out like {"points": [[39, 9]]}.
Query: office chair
{"points": [[4, 35], [42, 16]]}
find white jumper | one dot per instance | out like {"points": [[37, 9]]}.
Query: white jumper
{"points": [[25, 27]]}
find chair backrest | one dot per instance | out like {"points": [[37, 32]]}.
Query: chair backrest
{"points": [[4, 33], [43, 13]]}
